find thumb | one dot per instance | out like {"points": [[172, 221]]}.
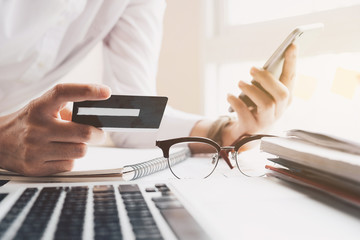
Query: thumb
{"points": [[289, 66]]}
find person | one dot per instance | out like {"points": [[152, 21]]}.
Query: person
{"points": [[40, 41]]}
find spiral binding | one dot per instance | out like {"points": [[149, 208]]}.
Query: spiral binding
{"points": [[157, 164]]}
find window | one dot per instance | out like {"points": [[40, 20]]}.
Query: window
{"points": [[327, 90]]}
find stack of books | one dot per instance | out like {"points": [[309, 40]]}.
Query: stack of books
{"points": [[324, 162]]}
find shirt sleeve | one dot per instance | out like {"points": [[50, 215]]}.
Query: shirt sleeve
{"points": [[131, 53]]}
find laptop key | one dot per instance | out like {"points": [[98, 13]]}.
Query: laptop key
{"points": [[168, 205], [160, 185], [150, 190], [129, 188], [143, 222]]}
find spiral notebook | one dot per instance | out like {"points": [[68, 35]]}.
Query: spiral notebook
{"points": [[109, 164]]}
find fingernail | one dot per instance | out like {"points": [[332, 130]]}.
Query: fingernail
{"points": [[241, 84], [109, 89], [105, 90], [253, 70]]}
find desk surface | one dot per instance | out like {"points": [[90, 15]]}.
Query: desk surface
{"points": [[243, 208]]}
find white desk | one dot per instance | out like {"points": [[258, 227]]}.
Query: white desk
{"points": [[243, 208]]}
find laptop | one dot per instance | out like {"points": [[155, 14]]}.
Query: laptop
{"points": [[230, 207], [107, 210]]}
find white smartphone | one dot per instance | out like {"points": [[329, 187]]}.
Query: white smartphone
{"points": [[302, 36]]}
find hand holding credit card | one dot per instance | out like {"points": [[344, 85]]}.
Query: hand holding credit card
{"points": [[122, 113]]}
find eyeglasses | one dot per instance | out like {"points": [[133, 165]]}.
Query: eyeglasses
{"points": [[205, 154]]}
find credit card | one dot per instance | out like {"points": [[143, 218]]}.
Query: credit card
{"points": [[121, 113]]}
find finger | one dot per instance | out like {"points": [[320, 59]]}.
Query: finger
{"points": [[61, 150], [48, 167], [289, 66], [261, 99], [64, 131], [240, 108], [57, 166], [274, 87], [55, 98]]}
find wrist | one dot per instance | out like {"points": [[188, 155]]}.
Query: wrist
{"points": [[216, 129], [200, 128]]}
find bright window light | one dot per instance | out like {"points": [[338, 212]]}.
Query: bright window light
{"points": [[240, 12]]}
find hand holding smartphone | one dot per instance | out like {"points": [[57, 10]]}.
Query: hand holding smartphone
{"points": [[301, 35]]}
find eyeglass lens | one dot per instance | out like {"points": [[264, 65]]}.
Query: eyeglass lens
{"points": [[200, 165], [251, 161]]}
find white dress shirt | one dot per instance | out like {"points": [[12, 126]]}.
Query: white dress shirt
{"points": [[41, 41]]}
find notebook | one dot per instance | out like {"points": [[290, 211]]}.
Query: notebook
{"points": [[109, 164]]}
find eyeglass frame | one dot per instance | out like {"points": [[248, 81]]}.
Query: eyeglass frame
{"points": [[223, 152]]}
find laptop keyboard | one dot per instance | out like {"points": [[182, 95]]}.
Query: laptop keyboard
{"points": [[61, 213]]}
